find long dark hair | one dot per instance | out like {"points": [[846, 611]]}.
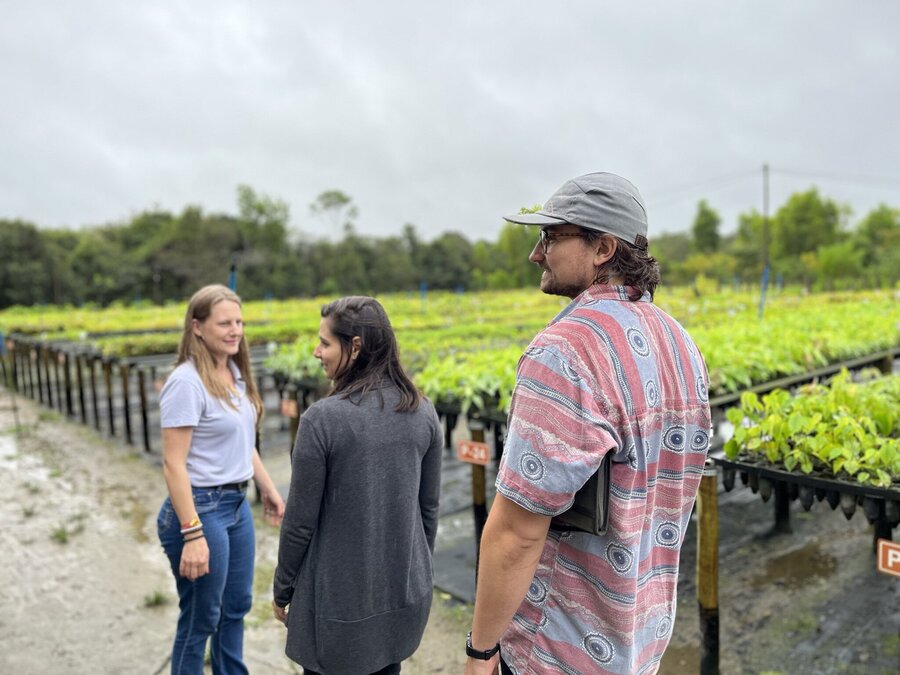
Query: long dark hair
{"points": [[632, 264], [378, 358]]}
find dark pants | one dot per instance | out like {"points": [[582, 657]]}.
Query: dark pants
{"points": [[387, 670], [504, 669]]}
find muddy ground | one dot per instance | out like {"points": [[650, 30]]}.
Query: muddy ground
{"points": [[85, 587]]}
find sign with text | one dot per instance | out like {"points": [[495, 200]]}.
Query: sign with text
{"points": [[473, 452], [888, 557]]}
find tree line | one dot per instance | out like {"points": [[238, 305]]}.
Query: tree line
{"points": [[158, 256]]}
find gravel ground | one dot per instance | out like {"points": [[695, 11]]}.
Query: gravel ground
{"points": [[84, 585]]}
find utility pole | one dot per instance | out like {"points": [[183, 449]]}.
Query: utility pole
{"points": [[765, 240]]}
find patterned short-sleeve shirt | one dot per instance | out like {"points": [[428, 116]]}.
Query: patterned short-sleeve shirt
{"points": [[607, 375]]}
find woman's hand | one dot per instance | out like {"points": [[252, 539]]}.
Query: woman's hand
{"points": [[194, 559], [273, 504], [280, 612], [273, 507]]}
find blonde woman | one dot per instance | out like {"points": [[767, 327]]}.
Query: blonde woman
{"points": [[210, 410]]}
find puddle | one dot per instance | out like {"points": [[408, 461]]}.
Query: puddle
{"points": [[8, 451], [797, 568], [7, 445]]}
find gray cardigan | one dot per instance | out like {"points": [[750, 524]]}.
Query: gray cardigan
{"points": [[355, 556]]}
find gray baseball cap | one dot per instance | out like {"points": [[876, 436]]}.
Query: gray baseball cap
{"points": [[596, 201]]}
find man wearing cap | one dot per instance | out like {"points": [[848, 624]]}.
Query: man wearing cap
{"points": [[612, 373]]}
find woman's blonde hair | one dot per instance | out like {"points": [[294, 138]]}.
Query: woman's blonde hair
{"points": [[192, 347]]}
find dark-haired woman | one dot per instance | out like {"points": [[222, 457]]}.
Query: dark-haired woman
{"points": [[209, 410], [354, 576]]}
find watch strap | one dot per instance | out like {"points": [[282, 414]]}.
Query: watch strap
{"points": [[485, 655]]}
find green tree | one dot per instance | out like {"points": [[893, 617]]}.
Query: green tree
{"points": [[746, 246], [878, 236], [336, 209], [717, 266], [670, 251], [805, 222], [390, 266], [195, 250], [447, 261], [96, 262], [25, 265], [513, 247], [840, 265], [705, 229], [264, 267]]}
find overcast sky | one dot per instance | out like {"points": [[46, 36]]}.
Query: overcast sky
{"points": [[444, 115]]}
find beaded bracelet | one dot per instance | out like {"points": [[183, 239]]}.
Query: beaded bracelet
{"points": [[199, 536]]}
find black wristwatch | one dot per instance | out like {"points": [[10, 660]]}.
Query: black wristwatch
{"points": [[485, 655]]}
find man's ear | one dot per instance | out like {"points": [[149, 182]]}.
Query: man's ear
{"points": [[605, 248], [355, 346]]}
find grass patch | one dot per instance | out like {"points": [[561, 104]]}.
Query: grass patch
{"points": [[31, 488], [892, 645], [55, 473], [798, 627], [60, 535], [28, 511], [48, 416], [156, 599]]}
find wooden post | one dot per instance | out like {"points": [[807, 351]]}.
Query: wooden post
{"points": [[79, 378], [126, 408], [67, 377], [108, 380], [92, 364], [448, 432], [27, 358], [479, 491], [57, 359], [39, 356], [15, 367], [142, 393], [708, 569]]}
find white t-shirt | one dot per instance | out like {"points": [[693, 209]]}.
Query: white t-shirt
{"points": [[224, 437]]}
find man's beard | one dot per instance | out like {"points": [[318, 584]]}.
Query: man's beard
{"points": [[553, 287]]}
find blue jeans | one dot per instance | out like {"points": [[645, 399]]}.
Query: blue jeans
{"points": [[215, 604]]}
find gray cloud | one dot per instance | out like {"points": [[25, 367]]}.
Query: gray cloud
{"points": [[442, 116]]}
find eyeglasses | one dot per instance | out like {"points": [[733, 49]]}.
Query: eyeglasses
{"points": [[548, 238]]}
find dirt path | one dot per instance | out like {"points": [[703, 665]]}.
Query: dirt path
{"points": [[84, 585]]}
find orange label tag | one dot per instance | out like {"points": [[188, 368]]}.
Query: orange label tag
{"points": [[888, 557], [289, 408], [473, 452]]}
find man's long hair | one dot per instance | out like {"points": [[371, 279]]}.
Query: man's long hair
{"points": [[378, 358], [633, 265]]}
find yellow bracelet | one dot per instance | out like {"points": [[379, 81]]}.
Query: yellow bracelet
{"points": [[193, 522]]}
